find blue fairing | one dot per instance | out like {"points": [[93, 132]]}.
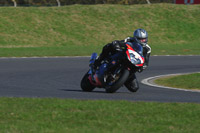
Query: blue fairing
{"points": [[106, 66]]}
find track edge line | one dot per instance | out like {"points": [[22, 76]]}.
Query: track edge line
{"points": [[150, 82]]}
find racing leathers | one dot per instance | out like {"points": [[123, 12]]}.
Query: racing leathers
{"points": [[117, 45]]}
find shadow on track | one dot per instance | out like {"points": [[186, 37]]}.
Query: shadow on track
{"points": [[96, 91], [70, 90]]}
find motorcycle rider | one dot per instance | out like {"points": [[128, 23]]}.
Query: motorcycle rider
{"points": [[139, 36]]}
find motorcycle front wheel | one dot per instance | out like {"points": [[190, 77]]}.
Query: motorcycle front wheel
{"points": [[123, 76]]}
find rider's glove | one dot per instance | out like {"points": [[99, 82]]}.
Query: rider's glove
{"points": [[144, 67], [140, 69]]}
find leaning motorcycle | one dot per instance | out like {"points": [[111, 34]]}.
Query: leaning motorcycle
{"points": [[116, 70]]}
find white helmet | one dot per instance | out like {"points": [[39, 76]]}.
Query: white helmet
{"points": [[141, 36]]}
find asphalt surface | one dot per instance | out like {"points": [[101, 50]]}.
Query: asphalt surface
{"points": [[60, 78]]}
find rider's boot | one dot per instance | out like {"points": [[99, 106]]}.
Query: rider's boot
{"points": [[132, 83]]}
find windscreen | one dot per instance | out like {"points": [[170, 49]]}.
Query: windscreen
{"points": [[137, 47]]}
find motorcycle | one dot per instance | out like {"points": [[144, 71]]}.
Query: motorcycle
{"points": [[116, 70]]}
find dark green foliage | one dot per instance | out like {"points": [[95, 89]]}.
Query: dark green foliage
{"points": [[70, 2]]}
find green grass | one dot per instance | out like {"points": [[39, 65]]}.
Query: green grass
{"points": [[59, 115], [80, 30], [83, 29], [189, 81]]}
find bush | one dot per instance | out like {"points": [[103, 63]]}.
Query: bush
{"points": [[70, 2]]}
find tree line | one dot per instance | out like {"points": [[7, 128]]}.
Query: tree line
{"points": [[71, 2]]}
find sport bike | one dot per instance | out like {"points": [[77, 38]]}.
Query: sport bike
{"points": [[116, 70]]}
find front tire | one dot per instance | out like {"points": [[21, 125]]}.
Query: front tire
{"points": [[85, 84], [119, 82]]}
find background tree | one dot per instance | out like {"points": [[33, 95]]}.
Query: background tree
{"points": [[15, 3], [148, 1], [58, 3]]}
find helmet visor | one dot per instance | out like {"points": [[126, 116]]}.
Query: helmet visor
{"points": [[143, 40]]}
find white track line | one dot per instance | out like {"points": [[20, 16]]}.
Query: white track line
{"points": [[150, 81]]}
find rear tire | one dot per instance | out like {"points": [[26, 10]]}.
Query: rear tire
{"points": [[85, 84], [119, 83]]}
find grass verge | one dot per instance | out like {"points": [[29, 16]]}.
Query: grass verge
{"points": [[188, 81], [57, 31], [61, 115]]}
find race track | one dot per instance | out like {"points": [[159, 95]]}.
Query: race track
{"points": [[60, 77]]}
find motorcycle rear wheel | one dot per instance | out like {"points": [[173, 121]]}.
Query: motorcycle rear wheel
{"points": [[85, 84], [124, 76]]}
